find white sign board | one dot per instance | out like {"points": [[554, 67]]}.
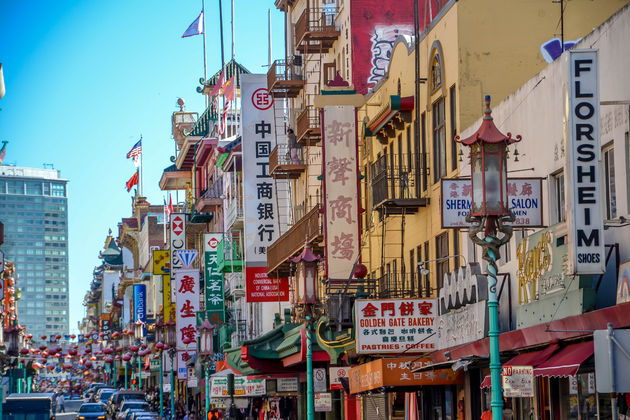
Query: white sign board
{"points": [[286, 385], [259, 139], [243, 386], [111, 279], [319, 380], [518, 381], [583, 159], [323, 401], [524, 199], [396, 325], [166, 387], [341, 188], [177, 224], [187, 305], [336, 373]]}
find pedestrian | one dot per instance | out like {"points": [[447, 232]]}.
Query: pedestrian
{"points": [[60, 404], [294, 147]]}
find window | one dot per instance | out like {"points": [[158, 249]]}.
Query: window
{"points": [[427, 280], [453, 117], [441, 251], [558, 197], [436, 71], [609, 181], [58, 190], [423, 171], [412, 275], [456, 250], [439, 140]]}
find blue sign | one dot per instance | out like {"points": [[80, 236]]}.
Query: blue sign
{"points": [[140, 302]]}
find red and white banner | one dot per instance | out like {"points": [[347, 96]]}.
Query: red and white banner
{"points": [[187, 305], [261, 288], [341, 189]]}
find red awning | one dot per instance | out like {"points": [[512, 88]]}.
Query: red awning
{"points": [[567, 361], [535, 359]]}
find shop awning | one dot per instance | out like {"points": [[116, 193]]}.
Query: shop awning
{"points": [[566, 361], [396, 105], [534, 359]]}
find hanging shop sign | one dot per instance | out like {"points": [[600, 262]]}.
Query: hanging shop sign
{"points": [[463, 310], [262, 222], [243, 387], [319, 380], [518, 381], [161, 262], [178, 238], [140, 302], [395, 325], [259, 287], [524, 199], [323, 401], [545, 289], [215, 299], [287, 385], [398, 372], [341, 190], [583, 159], [186, 307], [111, 279], [336, 373]]}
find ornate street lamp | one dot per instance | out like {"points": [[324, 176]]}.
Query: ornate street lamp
{"points": [[308, 286], [170, 334], [488, 215], [206, 347], [139, 334]]}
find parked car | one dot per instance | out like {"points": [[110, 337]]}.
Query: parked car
{"points": [[103, 395], [117, 398], [35, 406], [126, 414], [137, 415], [91, 411], [133, 405]]}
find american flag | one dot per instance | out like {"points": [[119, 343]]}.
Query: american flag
{"points": [[135, 151]]}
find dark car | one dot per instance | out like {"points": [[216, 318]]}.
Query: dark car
{"points": [[91, 411]]}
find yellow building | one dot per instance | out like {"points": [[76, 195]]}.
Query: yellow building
{"points": [[473, 48]]}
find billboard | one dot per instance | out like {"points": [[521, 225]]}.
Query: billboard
{"points": [[111, 279], [375, 28], [583, 164]]}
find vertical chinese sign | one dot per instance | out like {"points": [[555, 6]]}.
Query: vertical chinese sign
{"points": [[162, 266], [178, 238], [215, 305], [186, 307], [261, 213], [341, 188]]}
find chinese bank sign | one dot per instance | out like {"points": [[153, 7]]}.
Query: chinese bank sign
{"points": [[260, 205], [396, 325]]}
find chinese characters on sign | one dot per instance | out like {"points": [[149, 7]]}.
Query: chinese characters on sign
{"points": [[260, 208], [215, 306], [187, 304], [396, 325], [400, 371], [342, 190], [524, 199]]}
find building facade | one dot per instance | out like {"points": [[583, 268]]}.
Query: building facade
{"points": [[34, 210]]}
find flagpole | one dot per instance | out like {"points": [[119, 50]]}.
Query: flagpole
{"points": [[165, 221], [205, 66], [141, 171], [232, 29]]}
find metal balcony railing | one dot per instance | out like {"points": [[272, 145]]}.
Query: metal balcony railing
{"points": [[316, 28], [396, 177], [308, 126], [285, 78]]}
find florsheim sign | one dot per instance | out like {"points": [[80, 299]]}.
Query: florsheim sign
{"points": [[583, 159]]}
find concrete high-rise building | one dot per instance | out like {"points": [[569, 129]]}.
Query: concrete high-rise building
{"points": [[34, 210]]}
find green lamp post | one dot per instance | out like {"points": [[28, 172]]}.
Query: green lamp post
{"points": [[488, 217]]}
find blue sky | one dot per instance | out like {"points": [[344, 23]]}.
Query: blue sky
{"points": [[85, 79]]}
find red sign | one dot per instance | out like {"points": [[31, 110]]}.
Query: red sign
{"points": [[261, 99], [261, 288], [178, 225], [213, 242]]}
